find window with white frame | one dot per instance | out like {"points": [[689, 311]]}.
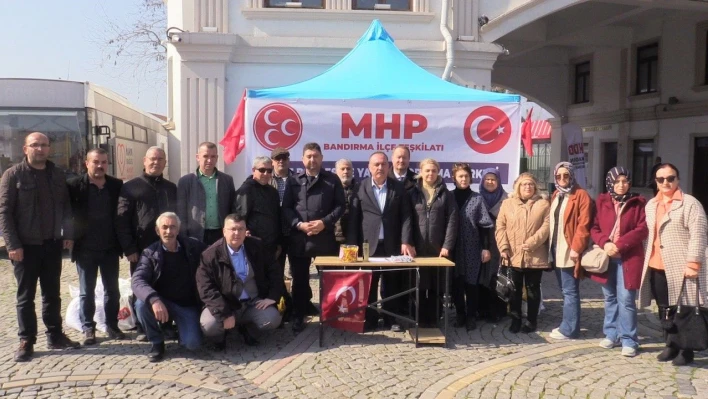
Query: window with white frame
{"points": [[393, 5], [647, 73], [294, 3]]}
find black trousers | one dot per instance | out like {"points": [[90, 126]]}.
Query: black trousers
{"points": [[465, 297], [531, 278], [212, 236], [392, 283], [489, 305], [659, 287], [301, 290], [43, 263]]}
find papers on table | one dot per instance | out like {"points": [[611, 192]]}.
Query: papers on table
{"points": [[394, 259]]}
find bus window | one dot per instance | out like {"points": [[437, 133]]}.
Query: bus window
{"points": [[66, 131], [124, 130], [140, 134]]}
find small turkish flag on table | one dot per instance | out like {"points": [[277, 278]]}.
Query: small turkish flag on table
{"points": [[345, 295]]}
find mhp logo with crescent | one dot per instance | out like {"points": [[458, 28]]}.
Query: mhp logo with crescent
{"points": [[277, 125]]}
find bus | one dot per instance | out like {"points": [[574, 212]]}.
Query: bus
{"points": [[76, 116]]}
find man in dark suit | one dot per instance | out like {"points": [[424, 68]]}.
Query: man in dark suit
{"points": [[312, 203], [381, 214], [400, 160]]}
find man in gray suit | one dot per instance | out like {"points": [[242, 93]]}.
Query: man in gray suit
{"points": [[381, 214]]}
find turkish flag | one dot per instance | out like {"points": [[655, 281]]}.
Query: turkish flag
{"points": [[526, 133], [235, 137], [345, 295]]}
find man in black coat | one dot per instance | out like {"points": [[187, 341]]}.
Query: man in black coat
{"points": [[240, 283], [258, 203], [381, 215], [400, 161], [164, 284], [94, 203], [141, 201], [312, 204]]}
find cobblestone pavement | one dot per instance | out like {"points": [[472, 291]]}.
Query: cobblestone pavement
{"points": [[486, 363]]}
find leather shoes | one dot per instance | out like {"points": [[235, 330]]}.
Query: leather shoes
{"points": [[298, 324], [528, 327], [684, 358], [667, 354], [157, 352], [115, 333], [89, 336], [312, 310], [471, 324], [515, 326], [24, 351], [249, 339]]}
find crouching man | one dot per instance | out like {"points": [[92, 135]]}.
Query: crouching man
{"points": [[240, 285], [165, 287]]}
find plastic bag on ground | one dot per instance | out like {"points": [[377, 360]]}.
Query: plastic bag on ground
{"points": [[126, 318]]}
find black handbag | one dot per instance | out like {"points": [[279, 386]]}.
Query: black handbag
{"points": [[690, 324], [505, 286]]}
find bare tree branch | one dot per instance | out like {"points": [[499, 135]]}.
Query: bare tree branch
{"points": [[137, 46]]}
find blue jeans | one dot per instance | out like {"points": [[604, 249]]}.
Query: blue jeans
{"points": [[570, 326], [186, 317], [620, 309], [88, 263]]}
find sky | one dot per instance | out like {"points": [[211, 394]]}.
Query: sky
{"points": [[52, 39]]}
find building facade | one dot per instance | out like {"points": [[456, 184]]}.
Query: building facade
{"points": [[632, 73]]}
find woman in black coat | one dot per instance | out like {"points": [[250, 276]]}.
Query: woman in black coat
{"points": [[434, 232]]}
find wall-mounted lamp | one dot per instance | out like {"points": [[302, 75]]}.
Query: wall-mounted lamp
{"points": [[483, 20]]}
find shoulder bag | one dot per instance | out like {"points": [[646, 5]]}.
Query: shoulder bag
{"points": [[505, 286], [690, 323]]}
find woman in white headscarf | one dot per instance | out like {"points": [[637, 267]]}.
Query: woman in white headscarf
{"points": [[571, 218]]}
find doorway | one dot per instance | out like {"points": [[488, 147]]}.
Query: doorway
{"points": [[700, 165], [609, 161]]}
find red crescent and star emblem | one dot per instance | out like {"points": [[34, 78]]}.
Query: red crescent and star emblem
{"points": [[487, 129], [277, 125]]}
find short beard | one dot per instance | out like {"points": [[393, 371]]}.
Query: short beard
{"points": [[346, 182]]}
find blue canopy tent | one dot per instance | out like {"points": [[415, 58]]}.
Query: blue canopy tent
{"points": [[375, 80], [377, 69]]}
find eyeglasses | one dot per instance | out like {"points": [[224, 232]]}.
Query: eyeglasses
{"points": [[563, 176], [38, 145], [528, 185], [669, 179], [281, 159], [265, 170]]}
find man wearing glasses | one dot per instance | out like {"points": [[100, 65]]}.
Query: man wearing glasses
{"points": [[35, 220], [258, 203], [205, 197]]}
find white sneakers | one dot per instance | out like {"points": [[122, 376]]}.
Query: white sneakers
{"points": [[627, 351], [556, 334]]}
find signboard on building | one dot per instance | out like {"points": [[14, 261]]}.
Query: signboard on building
{"points": [[575, 150]]}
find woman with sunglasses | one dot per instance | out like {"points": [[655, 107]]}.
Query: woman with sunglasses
{"points": [[434, 234], [522, 237], [675, 250], [620, 228], [470, 250], [491, 307], [571, 218]]}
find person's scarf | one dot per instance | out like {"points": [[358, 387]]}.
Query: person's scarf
{"points": [[571, 171], [612, 176], [491, 198], [461, 196]]}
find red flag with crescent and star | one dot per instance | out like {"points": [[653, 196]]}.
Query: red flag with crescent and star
{"points": [[527, 134], [235, 136], [345, 295]]}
